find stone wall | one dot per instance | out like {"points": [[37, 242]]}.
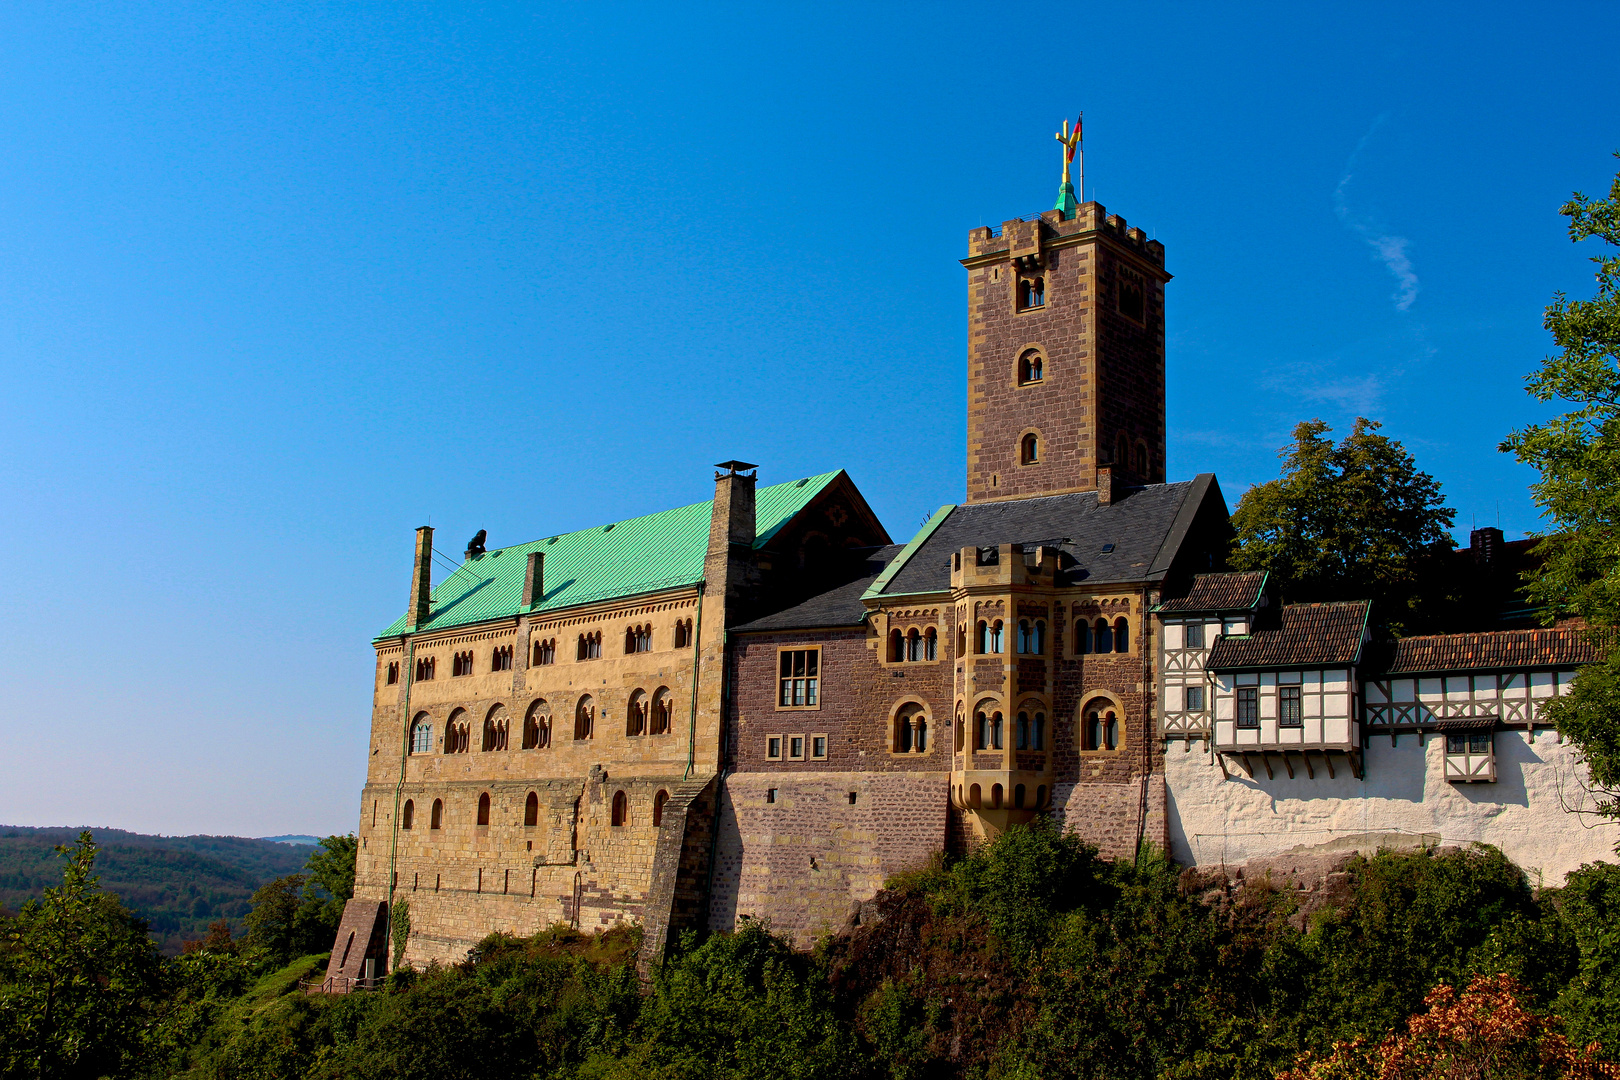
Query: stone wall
{"points": [[825, 843], [1228, 818]]}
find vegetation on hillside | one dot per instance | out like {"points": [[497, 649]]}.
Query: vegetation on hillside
{"points": [[177, 884], [1031, 957]]}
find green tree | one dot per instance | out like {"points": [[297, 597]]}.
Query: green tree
{"points": [[1578, 456], [1356, 520], [78, 978], [1578, 452]]}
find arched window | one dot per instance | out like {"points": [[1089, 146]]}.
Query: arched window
{"points": [[1122, 452], [995, 796], [393, 673], [457, 733], [1039, 638], [983, 636], [1018, 796], [914, 646], [1099, 727], [896, 647], [1038, 732], [635, 714], [545, 651], [621, 809], [998, 643], [501, 658], [425, 668], [910, 729], [495, 729], [1040, 796], [407, 816], [961, 730], [663, 711], [585, 718], [1023, 731], [531, 811], [422, 735], [1029, 450], [1122, 635], [1141, 461], [1102, 637], [961, 639], [995, 731], [683, 633], [931, 644], [973, 796], [436, 819], [981, 731], [483, 810], [1029, 368], [537, 726], [658, 807], [1082, 638], [1024, 636]]}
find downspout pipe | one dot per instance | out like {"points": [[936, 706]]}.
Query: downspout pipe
{"points": [[697, 669], [404, 755]]}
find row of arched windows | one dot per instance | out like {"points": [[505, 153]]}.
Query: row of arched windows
{"points": [[911, 729], [461, 664], [590, 646], [426, 668], [638, 639], [645, 714], [1103, 637], [1099, 728], [531, 811], [913, 645], [545, 651]]}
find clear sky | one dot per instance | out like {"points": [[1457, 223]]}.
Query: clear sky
{"points": [[280, 282]]}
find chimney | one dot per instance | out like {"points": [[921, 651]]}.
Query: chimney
{"points": [[534, 579], [421, 579], [729, 565], [1105, 485]]}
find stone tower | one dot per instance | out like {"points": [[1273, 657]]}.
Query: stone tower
{"points": [[1065, 356]]}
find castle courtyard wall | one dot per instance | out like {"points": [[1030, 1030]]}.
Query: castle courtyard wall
{"points": [[1227, 819]]}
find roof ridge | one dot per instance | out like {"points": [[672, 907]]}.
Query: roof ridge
{"points": [[802, 482]]}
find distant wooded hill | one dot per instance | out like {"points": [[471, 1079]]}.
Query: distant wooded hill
{"points": [[178, 884]]}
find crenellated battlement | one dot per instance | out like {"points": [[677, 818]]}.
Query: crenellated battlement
{"points": [[1039, 230]]}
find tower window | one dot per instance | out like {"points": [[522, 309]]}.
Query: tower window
{"points": [[537, 726], [393, 673], [408, 815], [1140, 465], [436, 819], [483, 810], [422, 735], [1031, 292], [1030, 368], [658, 808], [531, 811], [425, 669], [1029, 450], [621, 809], [1132, 291]]}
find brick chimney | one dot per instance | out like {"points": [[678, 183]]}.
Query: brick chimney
{"points": [[1105, 485], [534, 579], [729, 567], [421, 579]]}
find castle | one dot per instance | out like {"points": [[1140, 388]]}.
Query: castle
{"points": [[762, 706]]}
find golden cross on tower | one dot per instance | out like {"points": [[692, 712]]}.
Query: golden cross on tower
{"points": [[1068, 139], [1067, 202]]}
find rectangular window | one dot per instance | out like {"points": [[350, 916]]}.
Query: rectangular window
{"points": [[1456, 744], [818, 747], [1479, 742], [1195, 699], [770, 794], [773, 747], [1248, 706], [1289, 713], [1234, 626], [796, 747], [799, 677], [1195, 635]]}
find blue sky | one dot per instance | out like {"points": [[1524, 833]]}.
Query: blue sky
{"points": [[280, 282]]}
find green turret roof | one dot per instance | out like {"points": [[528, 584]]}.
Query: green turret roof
{"points": [[626, 558]]}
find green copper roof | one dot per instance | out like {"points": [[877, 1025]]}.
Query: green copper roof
{"points": [[626, 558]]}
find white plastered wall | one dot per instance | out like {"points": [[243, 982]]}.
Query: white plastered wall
{"points": [[1228, 819]]}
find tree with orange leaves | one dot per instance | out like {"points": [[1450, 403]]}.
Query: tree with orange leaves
{"points": [[1482, 1034]]}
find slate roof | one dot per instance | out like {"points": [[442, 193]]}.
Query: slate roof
{"points": [[1237, 591], [1145, 527], [624, 558], [839, 606], [1308, 635], [1495, 649]]}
